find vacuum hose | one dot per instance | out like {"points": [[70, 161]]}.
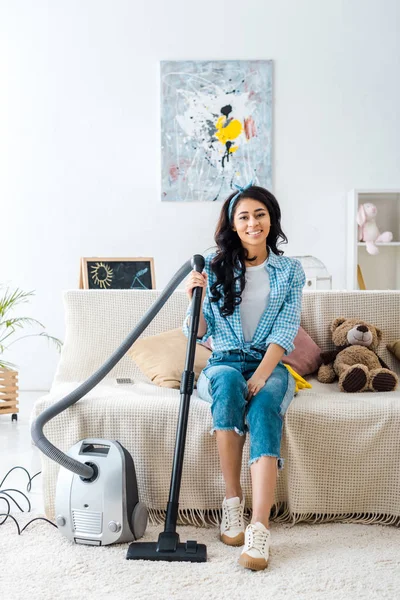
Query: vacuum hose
{"points": [[40, 440]]}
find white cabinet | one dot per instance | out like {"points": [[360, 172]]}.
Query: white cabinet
{"points": [[380, 271]]}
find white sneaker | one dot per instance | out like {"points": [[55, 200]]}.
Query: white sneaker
{"points": [[232, 524], [256, 550]]}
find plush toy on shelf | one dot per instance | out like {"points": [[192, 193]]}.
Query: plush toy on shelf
{"points": [[368, 231]]}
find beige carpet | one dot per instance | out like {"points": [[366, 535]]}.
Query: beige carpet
{"points": [[325, 561]]}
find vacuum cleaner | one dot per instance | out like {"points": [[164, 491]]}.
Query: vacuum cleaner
{"points": [[97, 498]]}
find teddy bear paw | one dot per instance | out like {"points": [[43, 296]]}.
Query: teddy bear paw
{"points": [[326, 374], [383, 380], [355, 379]]}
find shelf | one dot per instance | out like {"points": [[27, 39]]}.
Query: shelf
{"points": [[381, 244], [380, 271]]}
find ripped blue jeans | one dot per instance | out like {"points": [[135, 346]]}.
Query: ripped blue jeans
{"points": [[223, 383]]}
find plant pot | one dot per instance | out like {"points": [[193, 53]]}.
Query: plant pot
{"points": [[9, 393]]}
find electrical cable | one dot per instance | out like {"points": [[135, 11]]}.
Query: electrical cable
{"points": [[6, 497]]}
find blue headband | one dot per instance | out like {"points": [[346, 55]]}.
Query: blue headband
{"points": [[236, 196]]}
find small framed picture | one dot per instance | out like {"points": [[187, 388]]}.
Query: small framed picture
{"points": [[117, 274]]}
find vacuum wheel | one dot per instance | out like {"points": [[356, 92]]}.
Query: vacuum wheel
{"points": [[139, 520], [14, 417]]}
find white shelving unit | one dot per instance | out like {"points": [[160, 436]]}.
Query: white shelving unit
{"points": [[382, 271]]}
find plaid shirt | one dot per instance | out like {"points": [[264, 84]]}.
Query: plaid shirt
{"points": [[278, 324]]}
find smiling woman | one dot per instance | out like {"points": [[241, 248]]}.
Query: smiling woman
{"points": [[251, 307], [252, 224]]}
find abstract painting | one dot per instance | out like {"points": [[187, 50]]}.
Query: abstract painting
{"points": [[216, 127]]}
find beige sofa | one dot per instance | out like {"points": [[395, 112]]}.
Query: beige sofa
{"points": [[342, 451]]}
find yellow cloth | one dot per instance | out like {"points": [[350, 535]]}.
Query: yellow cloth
{"points": [[299, 381]]}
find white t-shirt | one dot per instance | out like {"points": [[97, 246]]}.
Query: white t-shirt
{"points": [[255, 298]]}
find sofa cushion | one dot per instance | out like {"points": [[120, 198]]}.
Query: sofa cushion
{"points": [[333, 444], [162, 357], [306, 356]]}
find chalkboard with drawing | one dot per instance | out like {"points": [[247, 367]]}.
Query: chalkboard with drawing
{"points": [[117, 273]]}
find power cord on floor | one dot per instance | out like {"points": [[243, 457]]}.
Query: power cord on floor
{"points": [[6, 497]]}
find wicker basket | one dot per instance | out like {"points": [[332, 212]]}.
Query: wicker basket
{"points": [[9, 393]]}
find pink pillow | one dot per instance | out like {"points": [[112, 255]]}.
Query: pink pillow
{"points": [[208, 343], [306, 357]]}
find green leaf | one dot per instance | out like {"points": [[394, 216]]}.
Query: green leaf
{"points": [[7, 365], [11, 299], [4, 337], [21, 322], [58, 343], [9, 325]]}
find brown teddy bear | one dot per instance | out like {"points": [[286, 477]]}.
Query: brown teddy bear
{"points": [[355, 361]]}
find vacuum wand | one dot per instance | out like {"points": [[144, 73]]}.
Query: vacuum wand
{"points": [[168, 546], [186, 389]]}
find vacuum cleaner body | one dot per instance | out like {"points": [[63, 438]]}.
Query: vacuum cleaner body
{"points": [[104, 509]]}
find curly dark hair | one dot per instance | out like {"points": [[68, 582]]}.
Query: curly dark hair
{"points": [[232, 255]]}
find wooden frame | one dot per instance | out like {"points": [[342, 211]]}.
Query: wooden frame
{"points": [[117, 273], [8, 392]]}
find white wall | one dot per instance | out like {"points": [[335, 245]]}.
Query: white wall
{"points": [[80, 132]]}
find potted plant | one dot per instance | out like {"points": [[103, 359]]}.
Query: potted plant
{"points": [[10, 325]]}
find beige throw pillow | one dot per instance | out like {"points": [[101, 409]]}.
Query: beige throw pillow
{"points": [[162, 357]]}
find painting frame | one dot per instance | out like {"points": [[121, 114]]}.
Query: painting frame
{"points": [[216, 127], [113, 273]]}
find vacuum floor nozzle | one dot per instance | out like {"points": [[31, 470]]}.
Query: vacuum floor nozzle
{"points": [[168, 548]]}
